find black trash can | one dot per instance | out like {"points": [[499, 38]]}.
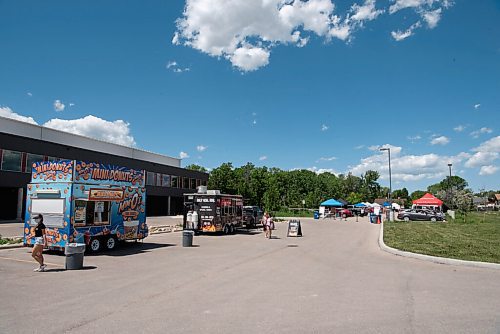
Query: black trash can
{"points": [[187, 238], [74, 256]]}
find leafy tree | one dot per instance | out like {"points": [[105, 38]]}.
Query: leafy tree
{"points": [[417, 194], [197, 168], [223, 178], [354, 198], [462, 200], [454, 183]]}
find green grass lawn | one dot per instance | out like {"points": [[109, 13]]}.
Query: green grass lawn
{"points": [[478, 239]]}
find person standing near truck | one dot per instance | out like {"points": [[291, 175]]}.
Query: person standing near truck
{"points": [[40, 243]]}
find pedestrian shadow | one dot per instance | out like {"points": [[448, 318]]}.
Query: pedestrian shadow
{"points": [[58, 270]]}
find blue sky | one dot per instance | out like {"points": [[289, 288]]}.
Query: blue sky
{"points": [[319, 85]]}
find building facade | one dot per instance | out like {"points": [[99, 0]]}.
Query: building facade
{"points": [[22, 143]]}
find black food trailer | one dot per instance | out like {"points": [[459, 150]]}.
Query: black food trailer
{"points": [[212, 211]]}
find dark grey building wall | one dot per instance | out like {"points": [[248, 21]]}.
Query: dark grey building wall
{"points": [[159, 195]]}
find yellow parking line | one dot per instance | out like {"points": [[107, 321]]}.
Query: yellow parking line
{"points": [[27, 261]]}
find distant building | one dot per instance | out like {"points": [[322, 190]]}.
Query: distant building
{"points": [[22, 143]]}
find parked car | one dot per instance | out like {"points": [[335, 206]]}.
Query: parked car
{"points": [[359, 211], [252, 215], [344, 213], [424, 215]]}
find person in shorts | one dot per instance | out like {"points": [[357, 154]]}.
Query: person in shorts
{"points": [[40, 242]]}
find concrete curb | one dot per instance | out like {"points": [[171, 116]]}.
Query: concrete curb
{"points": [[9, 246], [434, 259]]}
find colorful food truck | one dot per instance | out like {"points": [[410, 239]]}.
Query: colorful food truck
{"points": [[211, 211], [86, 202]]}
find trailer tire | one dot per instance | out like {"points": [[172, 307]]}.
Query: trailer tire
{"points": [[231, 229], [95, 245], [111, 243], [225, 230]]}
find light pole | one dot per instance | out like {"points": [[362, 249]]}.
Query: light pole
{"points": [[388, 149], [449, 187]]}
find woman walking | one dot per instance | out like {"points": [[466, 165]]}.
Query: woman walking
{"points": [[40, 243], [268, 225]]}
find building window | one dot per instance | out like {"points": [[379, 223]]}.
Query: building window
{"points": [[53, 159], [165, 180], [192, 183], [204, 183], [150, 179], [185, 183], [158, 179], [175, 182], [198, 183], [11, 160], [31, 159]]}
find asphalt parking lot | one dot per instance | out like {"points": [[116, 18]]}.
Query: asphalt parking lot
{"points": [[334, 279]]}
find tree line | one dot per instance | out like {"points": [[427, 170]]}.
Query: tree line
{"points": [[276, 189]]}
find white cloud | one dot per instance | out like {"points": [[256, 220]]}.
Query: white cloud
{"points": [[430, 12], [459, 128], [432, 17], [327, 158], [249, 58], [117, 132], [486, 153], [488, 170], [171, 64], [476, 106], [401, 35], [183, 155], [407, 167], [244, 32], [414, 138], [481, 158], [483, 130], [254, 122], [71, 104], [322, 170], [359, 147], [491, 145], [418, 5], [262, 158], [441, 140], [324, 127], [7, 112], [58, 105], [365, 12], [201, 148], [175, 67], [29, 94]]}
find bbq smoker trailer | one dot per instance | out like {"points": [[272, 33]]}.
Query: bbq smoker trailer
{"points": [[86, 202], [211, 211]]}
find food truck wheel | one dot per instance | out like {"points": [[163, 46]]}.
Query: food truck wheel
{"points": [[231, 229], [226, 229], [95, 245], [111, 243]]}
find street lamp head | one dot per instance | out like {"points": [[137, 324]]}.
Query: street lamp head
{"points": [[449, 165], [385, 149]]}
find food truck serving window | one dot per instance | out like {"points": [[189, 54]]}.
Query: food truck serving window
{"points": [[52, 210], [91, 213]]}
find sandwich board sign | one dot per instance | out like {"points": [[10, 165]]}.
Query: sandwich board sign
{"points": [[294, 228]]}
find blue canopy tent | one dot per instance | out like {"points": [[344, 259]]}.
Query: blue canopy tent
{"points": [[360, 205], [331, 202], [387, 204]]}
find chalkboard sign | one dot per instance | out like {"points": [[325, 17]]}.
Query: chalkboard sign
{"points": [[294, 228]]}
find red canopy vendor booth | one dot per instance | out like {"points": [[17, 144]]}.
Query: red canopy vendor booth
{"points": [[428, 201]]}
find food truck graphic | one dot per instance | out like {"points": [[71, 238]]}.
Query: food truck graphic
{"points": [[87, 202], [211, 211]]}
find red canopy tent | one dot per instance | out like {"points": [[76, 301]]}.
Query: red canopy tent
{"points": [[428, 199]]}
